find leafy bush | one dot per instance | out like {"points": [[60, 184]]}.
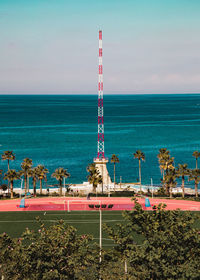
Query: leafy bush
{"points": [[4, 187], [52, 253], [170, 248], [160, 192], [16, 195], [54, 194]]}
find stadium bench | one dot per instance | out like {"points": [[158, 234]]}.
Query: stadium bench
{"points": [[103, 206], [91, 205]]}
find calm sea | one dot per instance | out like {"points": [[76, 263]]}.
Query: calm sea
{"points": [[61, 131]]}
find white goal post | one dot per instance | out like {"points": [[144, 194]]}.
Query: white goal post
{"points": [[84, 204]]}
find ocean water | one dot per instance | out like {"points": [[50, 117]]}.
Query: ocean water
{"points": [[61, 131]]}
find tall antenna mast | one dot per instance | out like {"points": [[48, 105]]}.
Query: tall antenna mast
{"points": [[101, 161], [100, 145]]}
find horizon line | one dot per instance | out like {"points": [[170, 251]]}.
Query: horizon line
{"points": [[96, 94]]}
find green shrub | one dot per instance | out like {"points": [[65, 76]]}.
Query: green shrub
{"points": [[54, 194]]}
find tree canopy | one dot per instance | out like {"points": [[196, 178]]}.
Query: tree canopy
{"points": [[170, 247], [150, 245], [53, 253]]}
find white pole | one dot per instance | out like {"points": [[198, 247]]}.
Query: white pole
{"points": [[152, 187], [68, 206], [125, 267], [64, 185], [100, 231], [21, 188], [64, 182], [100, 234]]}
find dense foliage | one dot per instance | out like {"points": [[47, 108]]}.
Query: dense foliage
{"points": [[170, 248], [53, 253], [157, 244]]}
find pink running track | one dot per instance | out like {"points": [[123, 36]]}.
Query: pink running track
{"points": [[80, 204]]}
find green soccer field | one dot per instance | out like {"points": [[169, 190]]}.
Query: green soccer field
{"points": [[86, 222]]}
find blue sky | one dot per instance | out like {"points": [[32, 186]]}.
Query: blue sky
{"points": [[51, 46]]}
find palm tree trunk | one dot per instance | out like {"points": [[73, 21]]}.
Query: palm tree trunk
{"points": [[8, 181], [25, 184], [114, 176], [34, 188], [11, 189], [28, 183], [40, 186], [196, 189], [196, 163], [140, 175], [60, 183], [94, 187], [8, 186], [170, 191], [183, 186], [167, 189], [161, 171]]}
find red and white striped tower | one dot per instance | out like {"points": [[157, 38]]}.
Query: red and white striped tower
{"points": [[100, 146], [101, 161]]}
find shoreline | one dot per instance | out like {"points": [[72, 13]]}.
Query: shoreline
{"points": [[87, 188]]}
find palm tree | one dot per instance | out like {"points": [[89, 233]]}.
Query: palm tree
{"points": [[33, 172], [26, 166], [196, 154], [94, 176], [162, 152], [170, 180], [168, 163], [115, 160], [41, 173], [194, 175], [165, 160], [8, 155], [60, 173], [12, 175], [140, 156], [183, 171]]}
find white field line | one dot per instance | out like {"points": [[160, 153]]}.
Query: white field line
{"points": [[71, 221], [87, 214]]}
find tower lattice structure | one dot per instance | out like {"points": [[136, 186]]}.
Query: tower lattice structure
{"points": [[101, 161], [100, 145]]}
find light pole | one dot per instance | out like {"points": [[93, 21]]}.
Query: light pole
{"points": [[152, 187], [64, 193], [100, 234], [21, 188]]}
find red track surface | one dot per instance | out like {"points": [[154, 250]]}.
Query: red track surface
{"points": [[121, 203]]}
